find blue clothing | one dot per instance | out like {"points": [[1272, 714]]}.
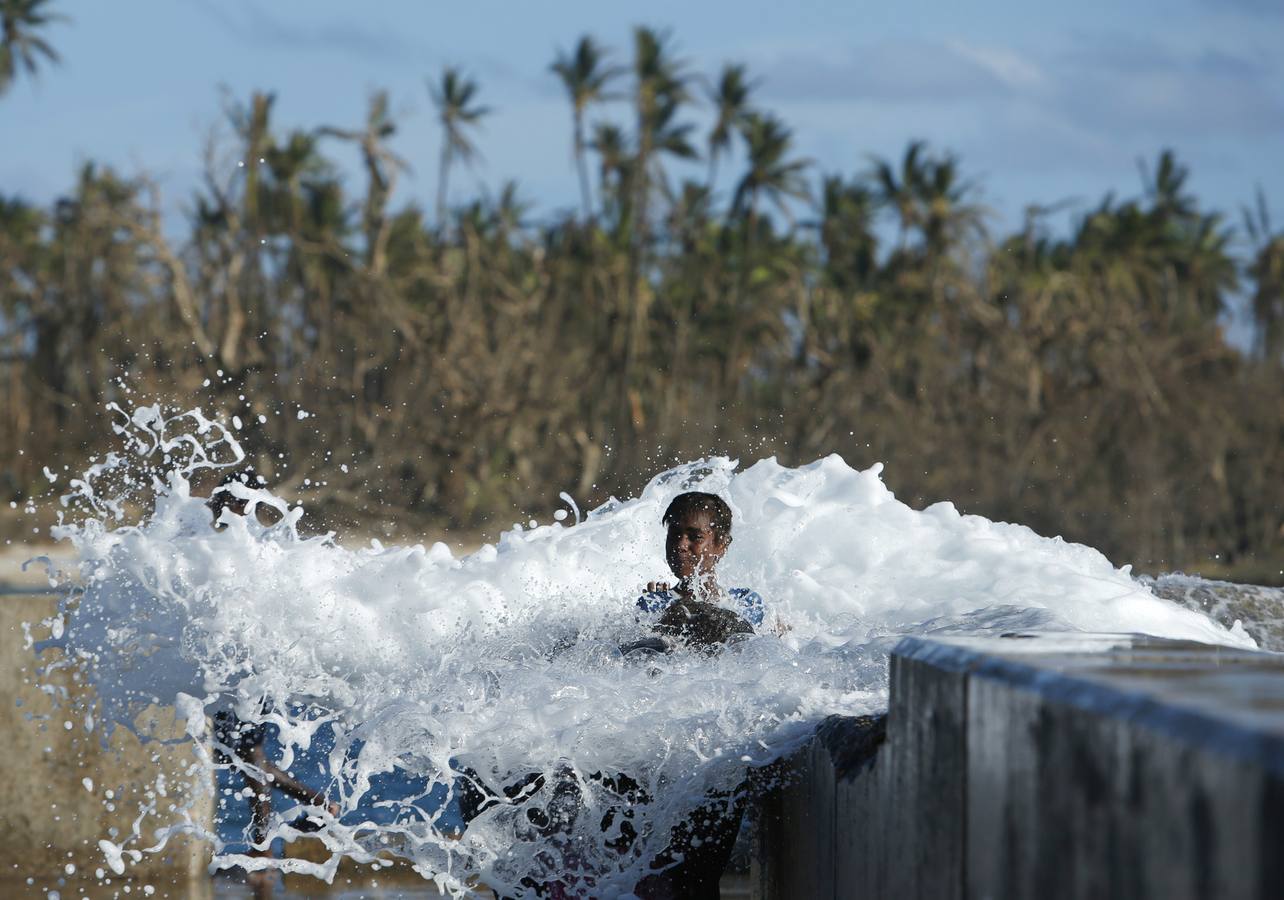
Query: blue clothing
{"points": [[748, 603]]}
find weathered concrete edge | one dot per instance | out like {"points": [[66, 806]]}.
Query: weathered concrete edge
{"points": [[1191, 725], [852, 742]]}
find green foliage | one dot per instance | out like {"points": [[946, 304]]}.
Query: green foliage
{"points": [[472, 366]]}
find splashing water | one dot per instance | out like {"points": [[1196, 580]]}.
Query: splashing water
{"points": [[504, 663]]}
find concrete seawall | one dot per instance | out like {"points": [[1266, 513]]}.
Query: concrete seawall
{"points": [[61, 790], [1056, 766]]}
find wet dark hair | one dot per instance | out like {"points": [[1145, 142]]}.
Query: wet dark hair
{"points": [[684, 505]]}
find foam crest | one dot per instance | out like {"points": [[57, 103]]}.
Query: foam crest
{"points": [[504, 663]]}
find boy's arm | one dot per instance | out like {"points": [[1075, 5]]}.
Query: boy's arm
{"points": [[287, 784]]}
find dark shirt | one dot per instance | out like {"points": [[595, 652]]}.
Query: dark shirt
{"points": [[748, 603]]}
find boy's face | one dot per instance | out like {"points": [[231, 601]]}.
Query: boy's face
{"points": [[692, 546]]}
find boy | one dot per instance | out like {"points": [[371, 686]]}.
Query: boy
{"points": [[699, 533]]}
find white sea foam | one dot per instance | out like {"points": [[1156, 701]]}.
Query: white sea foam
{"points": [[504, 661]]}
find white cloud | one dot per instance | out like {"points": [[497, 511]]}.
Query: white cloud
{"points": [[1010, 67], [1107, 84], [898, 71]]}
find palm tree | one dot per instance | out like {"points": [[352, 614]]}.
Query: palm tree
{"points": [[771, 173], [20, 45], [612, 149], [730, 100], [690, 215], [497, 218], [1165, 189], [1204, 263], [899, 192], [615, 173], [846, 229], [1267, 272], [253, 124], [382, 166], [927, 195], [947, 213], [289, 162], [453, 96], [21, 252], [1268, 298], [660, 88], [585, 75], [669, 136]]}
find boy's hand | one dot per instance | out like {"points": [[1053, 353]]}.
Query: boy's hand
{"points": [[657, 587]]}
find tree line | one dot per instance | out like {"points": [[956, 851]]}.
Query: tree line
{"points": [[467, 365]]}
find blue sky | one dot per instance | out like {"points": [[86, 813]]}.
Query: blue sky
{"points": [[1043, 101]]}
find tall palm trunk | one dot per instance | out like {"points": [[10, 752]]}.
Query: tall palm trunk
{"points": [[443, 173], [748, 247], [376, 224], [641, 194], [581, 163]]}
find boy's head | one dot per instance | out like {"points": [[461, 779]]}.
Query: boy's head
{"points": [[699, 533]]}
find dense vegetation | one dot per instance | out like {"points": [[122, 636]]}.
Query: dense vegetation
{"points": [[472, 363]]}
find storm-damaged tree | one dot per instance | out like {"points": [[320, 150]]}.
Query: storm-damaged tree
{"points": [[1076, 379], [454, 96], [382, 166]]}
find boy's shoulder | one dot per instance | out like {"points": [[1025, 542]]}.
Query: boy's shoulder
{"points": [[751, 601]]}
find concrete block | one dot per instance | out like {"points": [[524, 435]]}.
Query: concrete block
{"points": [[1104, 781], [1048, 766], [800, 849], [925, 724]]}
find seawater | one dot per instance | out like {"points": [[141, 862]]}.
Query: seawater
{"points": [[408, 665]]}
